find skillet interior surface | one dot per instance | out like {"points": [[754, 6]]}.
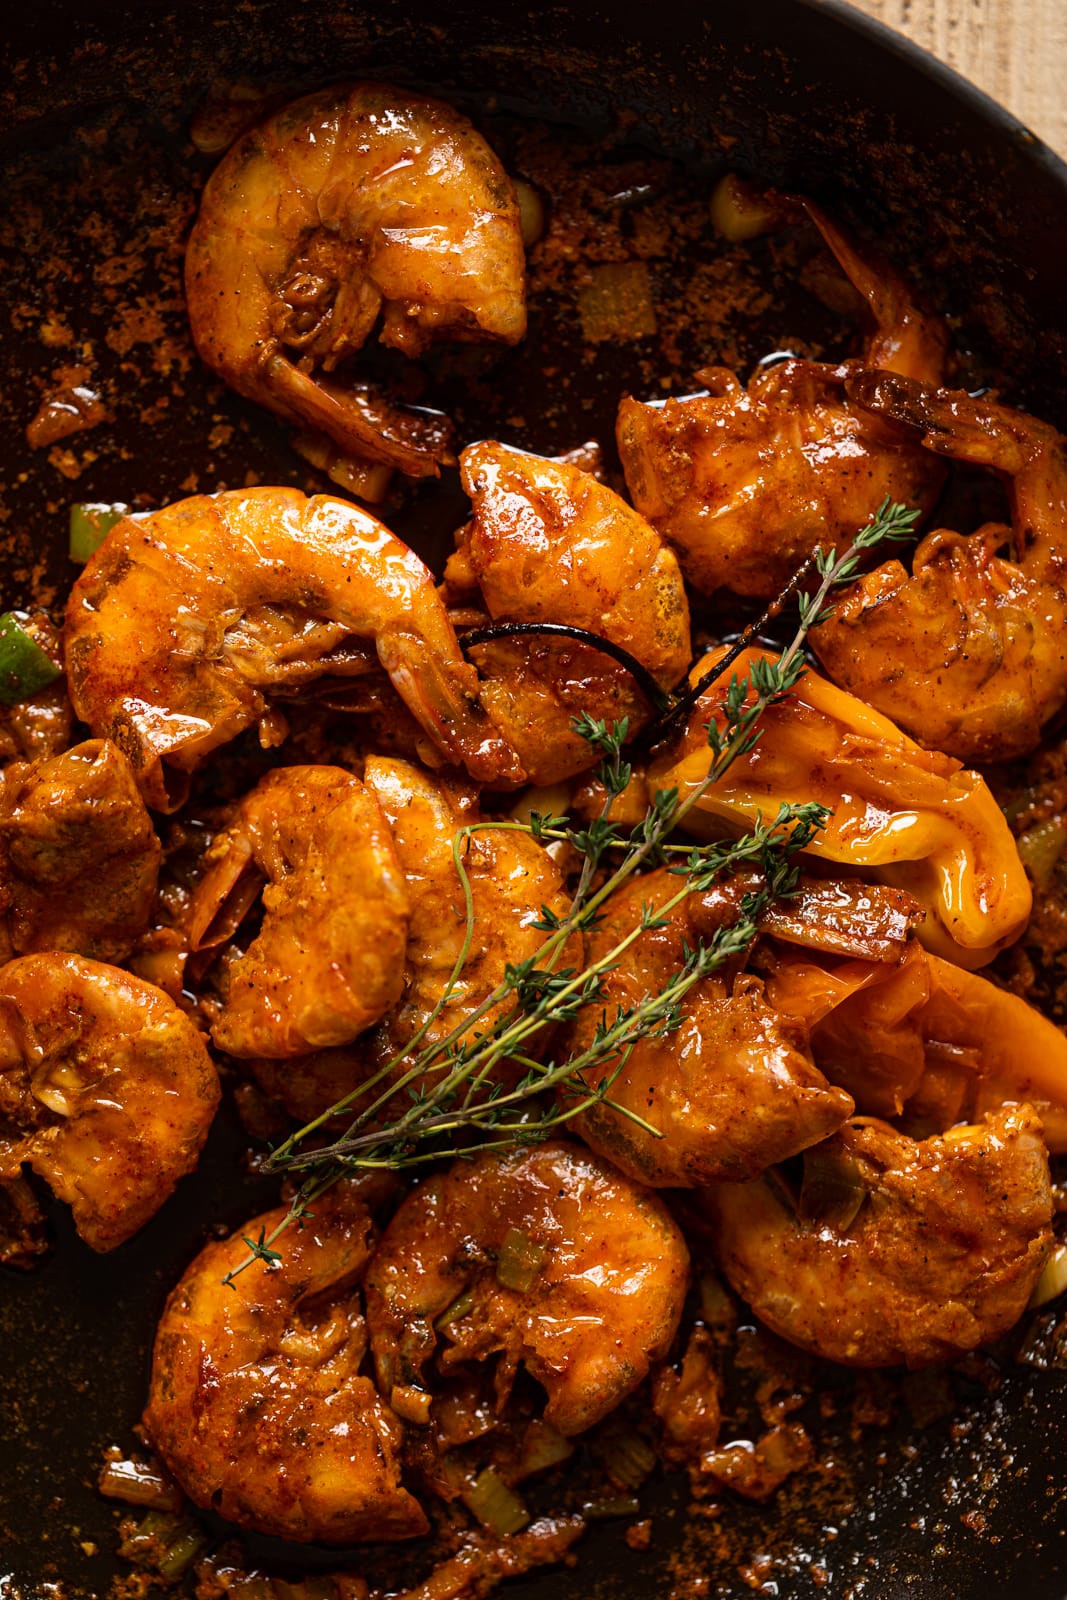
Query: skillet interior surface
{"points": [[948, 1500]]}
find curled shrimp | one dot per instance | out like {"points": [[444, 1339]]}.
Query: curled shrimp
{"points": [[79, 859], [548, 543], [923, 1039], [728, 1092], [107, 1090], [965, 651], [328, 959], [897, 1250], [257, 1404], [512, 880], [157, 628], [357, 202], [563, 1265], [745, 482], [900, 815]]}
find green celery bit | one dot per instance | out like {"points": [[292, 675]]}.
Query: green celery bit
{"points": [[90, 523], [520, 1261], [494, 1504], [24, 666]]}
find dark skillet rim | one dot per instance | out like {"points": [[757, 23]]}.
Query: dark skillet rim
{"points": [[948, 80]]}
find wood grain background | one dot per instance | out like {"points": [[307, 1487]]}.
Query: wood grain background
{"points": [[1016, 50]]}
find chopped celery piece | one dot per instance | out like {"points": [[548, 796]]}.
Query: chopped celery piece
{"points": [[520, 1261], [24, 666], [90, 523], [494, 1504]]}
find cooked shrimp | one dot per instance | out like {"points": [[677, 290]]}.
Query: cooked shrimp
{"points": [[106, 1090], [900, 814], [357, 202], [328, 960], [256, 1402], [902, 1251], [571, 1271], [79, 859], [744, 483], [512, 880], [548, 543], [923, 1038], [156, 650], [966, 652], [731, 1091]]}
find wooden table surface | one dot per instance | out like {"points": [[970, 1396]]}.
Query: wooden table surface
{"points": [[1016, 50]]}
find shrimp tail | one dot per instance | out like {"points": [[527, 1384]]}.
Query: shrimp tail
{"points": [[417, 443], [908, 341], [952, 423], [455, 723]]}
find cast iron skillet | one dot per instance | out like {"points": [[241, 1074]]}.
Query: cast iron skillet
{"points": [[807, 95]]}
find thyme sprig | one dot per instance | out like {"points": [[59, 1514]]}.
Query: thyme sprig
{"points": [[456, 1098]]}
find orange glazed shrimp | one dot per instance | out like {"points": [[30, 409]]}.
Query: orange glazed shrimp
{"points": [[571, 1270], [158, 624], [106, 1090], [358, 202], [512, 880], [79, 859], [257, 1404], [730, 1091], [904, 816], [745, 482], [899, 1251], [329, 958], [967, 651], [548, 543]]}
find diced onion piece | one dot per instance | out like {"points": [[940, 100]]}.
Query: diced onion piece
{"points": [[739, 212], [411, 1403], [531, 211], [165, 1544], [494, 1504], [617, 302], [24, 666], [552, 800], [139, 1485], [520, 1261], [542, 1448], [90, 524], [304, 1589], [626, 1455], [716, 1307], [619, 1505], [1041, 847], [459, 1308], [367, 480], [1053, 1279], [180, 1555]]}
